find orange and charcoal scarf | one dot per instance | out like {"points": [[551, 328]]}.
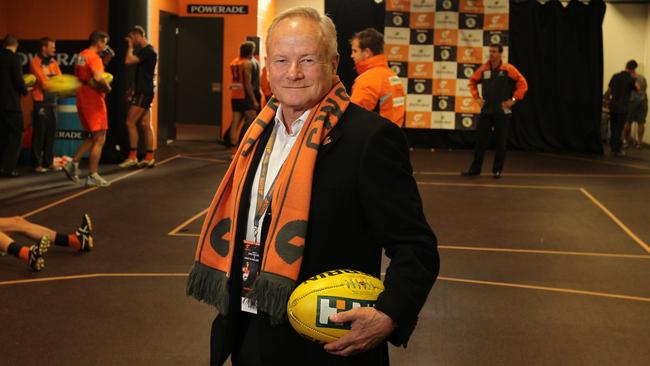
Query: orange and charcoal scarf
{"points": [[285, 241]]}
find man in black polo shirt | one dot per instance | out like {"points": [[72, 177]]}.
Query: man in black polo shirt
{"points": [[620, 87], [143, 90]]}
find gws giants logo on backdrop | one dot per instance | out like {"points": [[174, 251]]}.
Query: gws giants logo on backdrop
{"points": [[470, 55], [397, 52], [471, 6], [445, 37], [422, 20], [421, 70], [496, 22], [418, 119], [398, 5]]}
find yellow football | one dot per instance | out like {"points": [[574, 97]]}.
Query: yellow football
{"points": [[106, 76], [329, 293], [29, 80], [63, 85]]}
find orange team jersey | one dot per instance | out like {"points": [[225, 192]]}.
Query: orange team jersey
{"points": [[265, 85], [237, 90], [379, 89], [90, 101], [42, 72]]}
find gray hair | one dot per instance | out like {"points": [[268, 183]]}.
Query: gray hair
{"points": [[328, 30]]}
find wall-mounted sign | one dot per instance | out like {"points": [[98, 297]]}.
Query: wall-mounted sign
{"points": [[66, 53], [217, 9]]}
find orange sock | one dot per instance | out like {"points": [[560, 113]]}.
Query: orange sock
{"points": [[149, 156], [74, 241], [24, 254], [133, 154]]}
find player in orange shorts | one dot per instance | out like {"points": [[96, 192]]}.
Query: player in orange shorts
{"points": [[92, 109]]}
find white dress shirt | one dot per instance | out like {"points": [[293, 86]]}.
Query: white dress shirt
{"points": [[281, 149]]}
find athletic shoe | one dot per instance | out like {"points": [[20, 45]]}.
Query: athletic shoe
{"points": [[40, 169], [85, 234], [147, 163], [71, 171], [36, 251], [43, 244], [129, 163], [95, 180]]}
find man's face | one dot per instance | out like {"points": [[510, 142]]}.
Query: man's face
{"points": [[135, 38], [50, 49], [101, 45], [495, 55], [300, 71], [358, 54]]}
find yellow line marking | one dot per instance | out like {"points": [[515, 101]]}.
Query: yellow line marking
{"points": [[92, 275], [561, 175], [187, 222], [184, 234], [544, 288], [205, 159], [552, 252], [451, 279], [516, 186], [643, 167], [616, 220], [86, 191]]}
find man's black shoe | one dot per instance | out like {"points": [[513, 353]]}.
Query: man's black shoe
{"points": [[496, 175], [470, 173]]}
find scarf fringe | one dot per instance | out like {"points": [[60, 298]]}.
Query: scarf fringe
{"points": [[208, 285], [271, 294]]}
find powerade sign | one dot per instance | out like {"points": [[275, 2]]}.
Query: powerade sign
{"points": [[66, 53], [70, 135], [217, 9]]}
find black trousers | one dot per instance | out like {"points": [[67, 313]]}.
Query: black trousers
{"points": [[43, 133], [616, 124], [499, 121], [11, 136]]}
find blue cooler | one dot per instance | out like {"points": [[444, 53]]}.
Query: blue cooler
{"points": [[69, 133]]}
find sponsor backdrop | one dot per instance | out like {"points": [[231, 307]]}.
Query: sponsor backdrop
{"points": [[434, 46]]}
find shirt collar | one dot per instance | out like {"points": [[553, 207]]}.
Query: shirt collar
{"points": [[296, 126]]}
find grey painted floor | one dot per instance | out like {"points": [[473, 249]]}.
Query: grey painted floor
{"points": [[546, 266]]}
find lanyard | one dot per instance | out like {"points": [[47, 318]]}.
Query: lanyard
{"points": [[263, 202]]}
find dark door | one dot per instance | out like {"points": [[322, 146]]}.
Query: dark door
{"points": [[199, 63], [167, 78]]}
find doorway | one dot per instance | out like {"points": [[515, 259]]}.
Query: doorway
{"points": [[191, 77]]}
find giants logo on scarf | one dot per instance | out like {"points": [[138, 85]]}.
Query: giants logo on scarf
{"points": [[434, 46]]}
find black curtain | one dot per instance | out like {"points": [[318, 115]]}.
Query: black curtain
{"points": [[558, 49], [560, 52]]}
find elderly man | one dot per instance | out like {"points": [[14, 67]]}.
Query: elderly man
{"points": [[317, 184]]}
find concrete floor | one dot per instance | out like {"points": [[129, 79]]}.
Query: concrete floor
{"points": [[547, 266]]}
